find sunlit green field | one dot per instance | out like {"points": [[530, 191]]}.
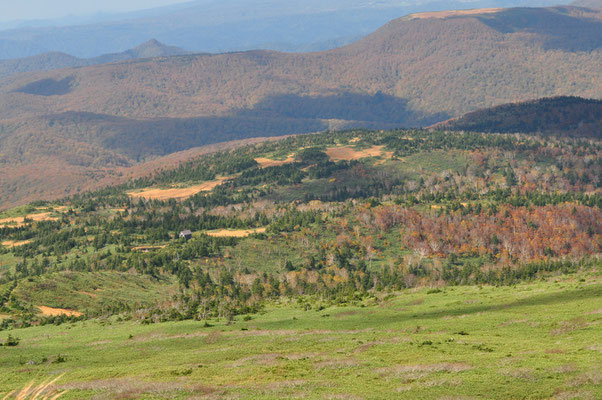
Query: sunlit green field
{"points": [[536, 340]]}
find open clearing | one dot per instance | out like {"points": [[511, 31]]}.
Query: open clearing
{"points": [[239, 233], [15, 243], [538, 340], [268, 162], [177, 193], [59, 311], [20, 221], [348, 153], [149, 247], [453, 13]]}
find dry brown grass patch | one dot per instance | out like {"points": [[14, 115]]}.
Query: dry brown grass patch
{"points": [[147, 248], [338, 363], [50, 311], [570, 326], [348, 153], [20, 221], [520, 373], [15, 243], [177, 193], [569, 395], [238, 233], [268, 162], [213, 337], [259, 359], [410, 373], [134, 388]]}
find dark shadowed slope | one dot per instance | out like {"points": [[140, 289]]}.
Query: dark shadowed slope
{"points": [[573, 116]]}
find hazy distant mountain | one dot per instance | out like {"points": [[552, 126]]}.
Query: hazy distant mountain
{"points": [[561, 115], [57, 60], [588, 3], [414, 71], [230, 25]]}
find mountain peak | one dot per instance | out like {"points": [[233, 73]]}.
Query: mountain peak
{"points": [[150, 43], [154, 48]]}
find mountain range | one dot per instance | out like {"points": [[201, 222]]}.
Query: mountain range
{"points": [[58, 60], [226, 25], [67, 129]]}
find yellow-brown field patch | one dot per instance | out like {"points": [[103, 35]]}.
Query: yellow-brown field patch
{"points": [[146, 248], [50, 311], [20, 221], [15, 243], [177, 193], [348, 153], [234, 232], [268, 162]]}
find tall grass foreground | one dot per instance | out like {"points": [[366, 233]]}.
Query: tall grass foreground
{"points": [[41, 391]]}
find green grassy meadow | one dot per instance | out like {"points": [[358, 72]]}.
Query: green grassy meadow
{"points": [[536, 340]]}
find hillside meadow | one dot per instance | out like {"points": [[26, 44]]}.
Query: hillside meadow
{"points": [[536, 340]]}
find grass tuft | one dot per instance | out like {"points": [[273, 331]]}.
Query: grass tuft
{"points": [[42, 391]]}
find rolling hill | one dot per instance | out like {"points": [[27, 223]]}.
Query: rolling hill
{"points": [[58, 60], [414, 71], [572, 116]]}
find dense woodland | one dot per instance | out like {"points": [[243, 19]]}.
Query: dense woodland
{"points": [[562, 115], [432, 209]]}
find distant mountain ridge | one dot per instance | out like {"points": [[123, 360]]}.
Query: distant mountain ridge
{"points": [[217, 26], [562, 115], [58, 60], [588, 3], [412, 72]]}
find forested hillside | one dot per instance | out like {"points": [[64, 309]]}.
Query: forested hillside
{"points": [[572, 116], [414, 71], [333, 215], [340, 259]]}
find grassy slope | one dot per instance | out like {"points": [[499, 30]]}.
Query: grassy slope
{"points": [[536, 340], [92, 291]]}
